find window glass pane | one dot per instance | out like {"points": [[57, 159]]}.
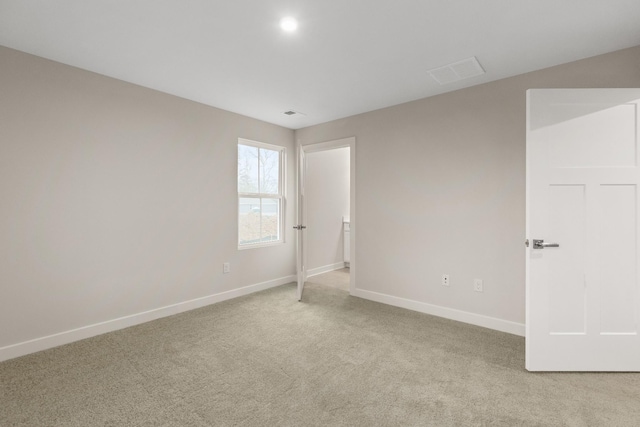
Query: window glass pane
{"points": [[249, 219], [247, 169], [270, 220], [269, 171], [260, 194]]}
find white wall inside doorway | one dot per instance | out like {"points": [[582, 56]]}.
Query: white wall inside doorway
{"points": [[328, 195]]}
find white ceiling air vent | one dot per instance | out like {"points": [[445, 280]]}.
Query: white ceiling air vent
{"points": [[294, 113], [456, 71]]}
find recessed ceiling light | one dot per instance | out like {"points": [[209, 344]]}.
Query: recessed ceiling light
{"points": [[288, 24]]}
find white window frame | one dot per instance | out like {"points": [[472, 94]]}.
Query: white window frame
{"points": [[281, 196]]}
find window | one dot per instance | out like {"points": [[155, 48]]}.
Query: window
{"points": [[260, 193]]}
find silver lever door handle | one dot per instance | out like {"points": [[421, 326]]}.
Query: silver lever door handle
{"points": [[540, 244]]}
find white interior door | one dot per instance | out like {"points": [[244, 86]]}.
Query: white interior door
{"points": [[300, 227], [583, 297]]}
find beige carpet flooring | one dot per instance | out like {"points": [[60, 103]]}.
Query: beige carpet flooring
{"points": [[338, 279], [331, 360]]}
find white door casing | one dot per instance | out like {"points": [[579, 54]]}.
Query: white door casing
{"points": [[583, 297]]}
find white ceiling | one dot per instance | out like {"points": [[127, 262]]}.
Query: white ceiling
{"points": [[347, 57]]}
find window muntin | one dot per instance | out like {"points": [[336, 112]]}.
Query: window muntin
{"points": [[260, 194]]}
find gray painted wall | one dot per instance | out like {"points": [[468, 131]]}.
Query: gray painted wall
{"points": [[440, 188], [117, 199]]}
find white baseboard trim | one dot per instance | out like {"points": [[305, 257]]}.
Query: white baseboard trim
{"points": [[448, 313], [66, 337], [319, 270]]}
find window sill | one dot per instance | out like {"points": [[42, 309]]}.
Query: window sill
{"points": [[260, 245]]}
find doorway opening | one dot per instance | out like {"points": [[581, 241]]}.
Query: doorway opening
{"points": [[326, 207]]}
